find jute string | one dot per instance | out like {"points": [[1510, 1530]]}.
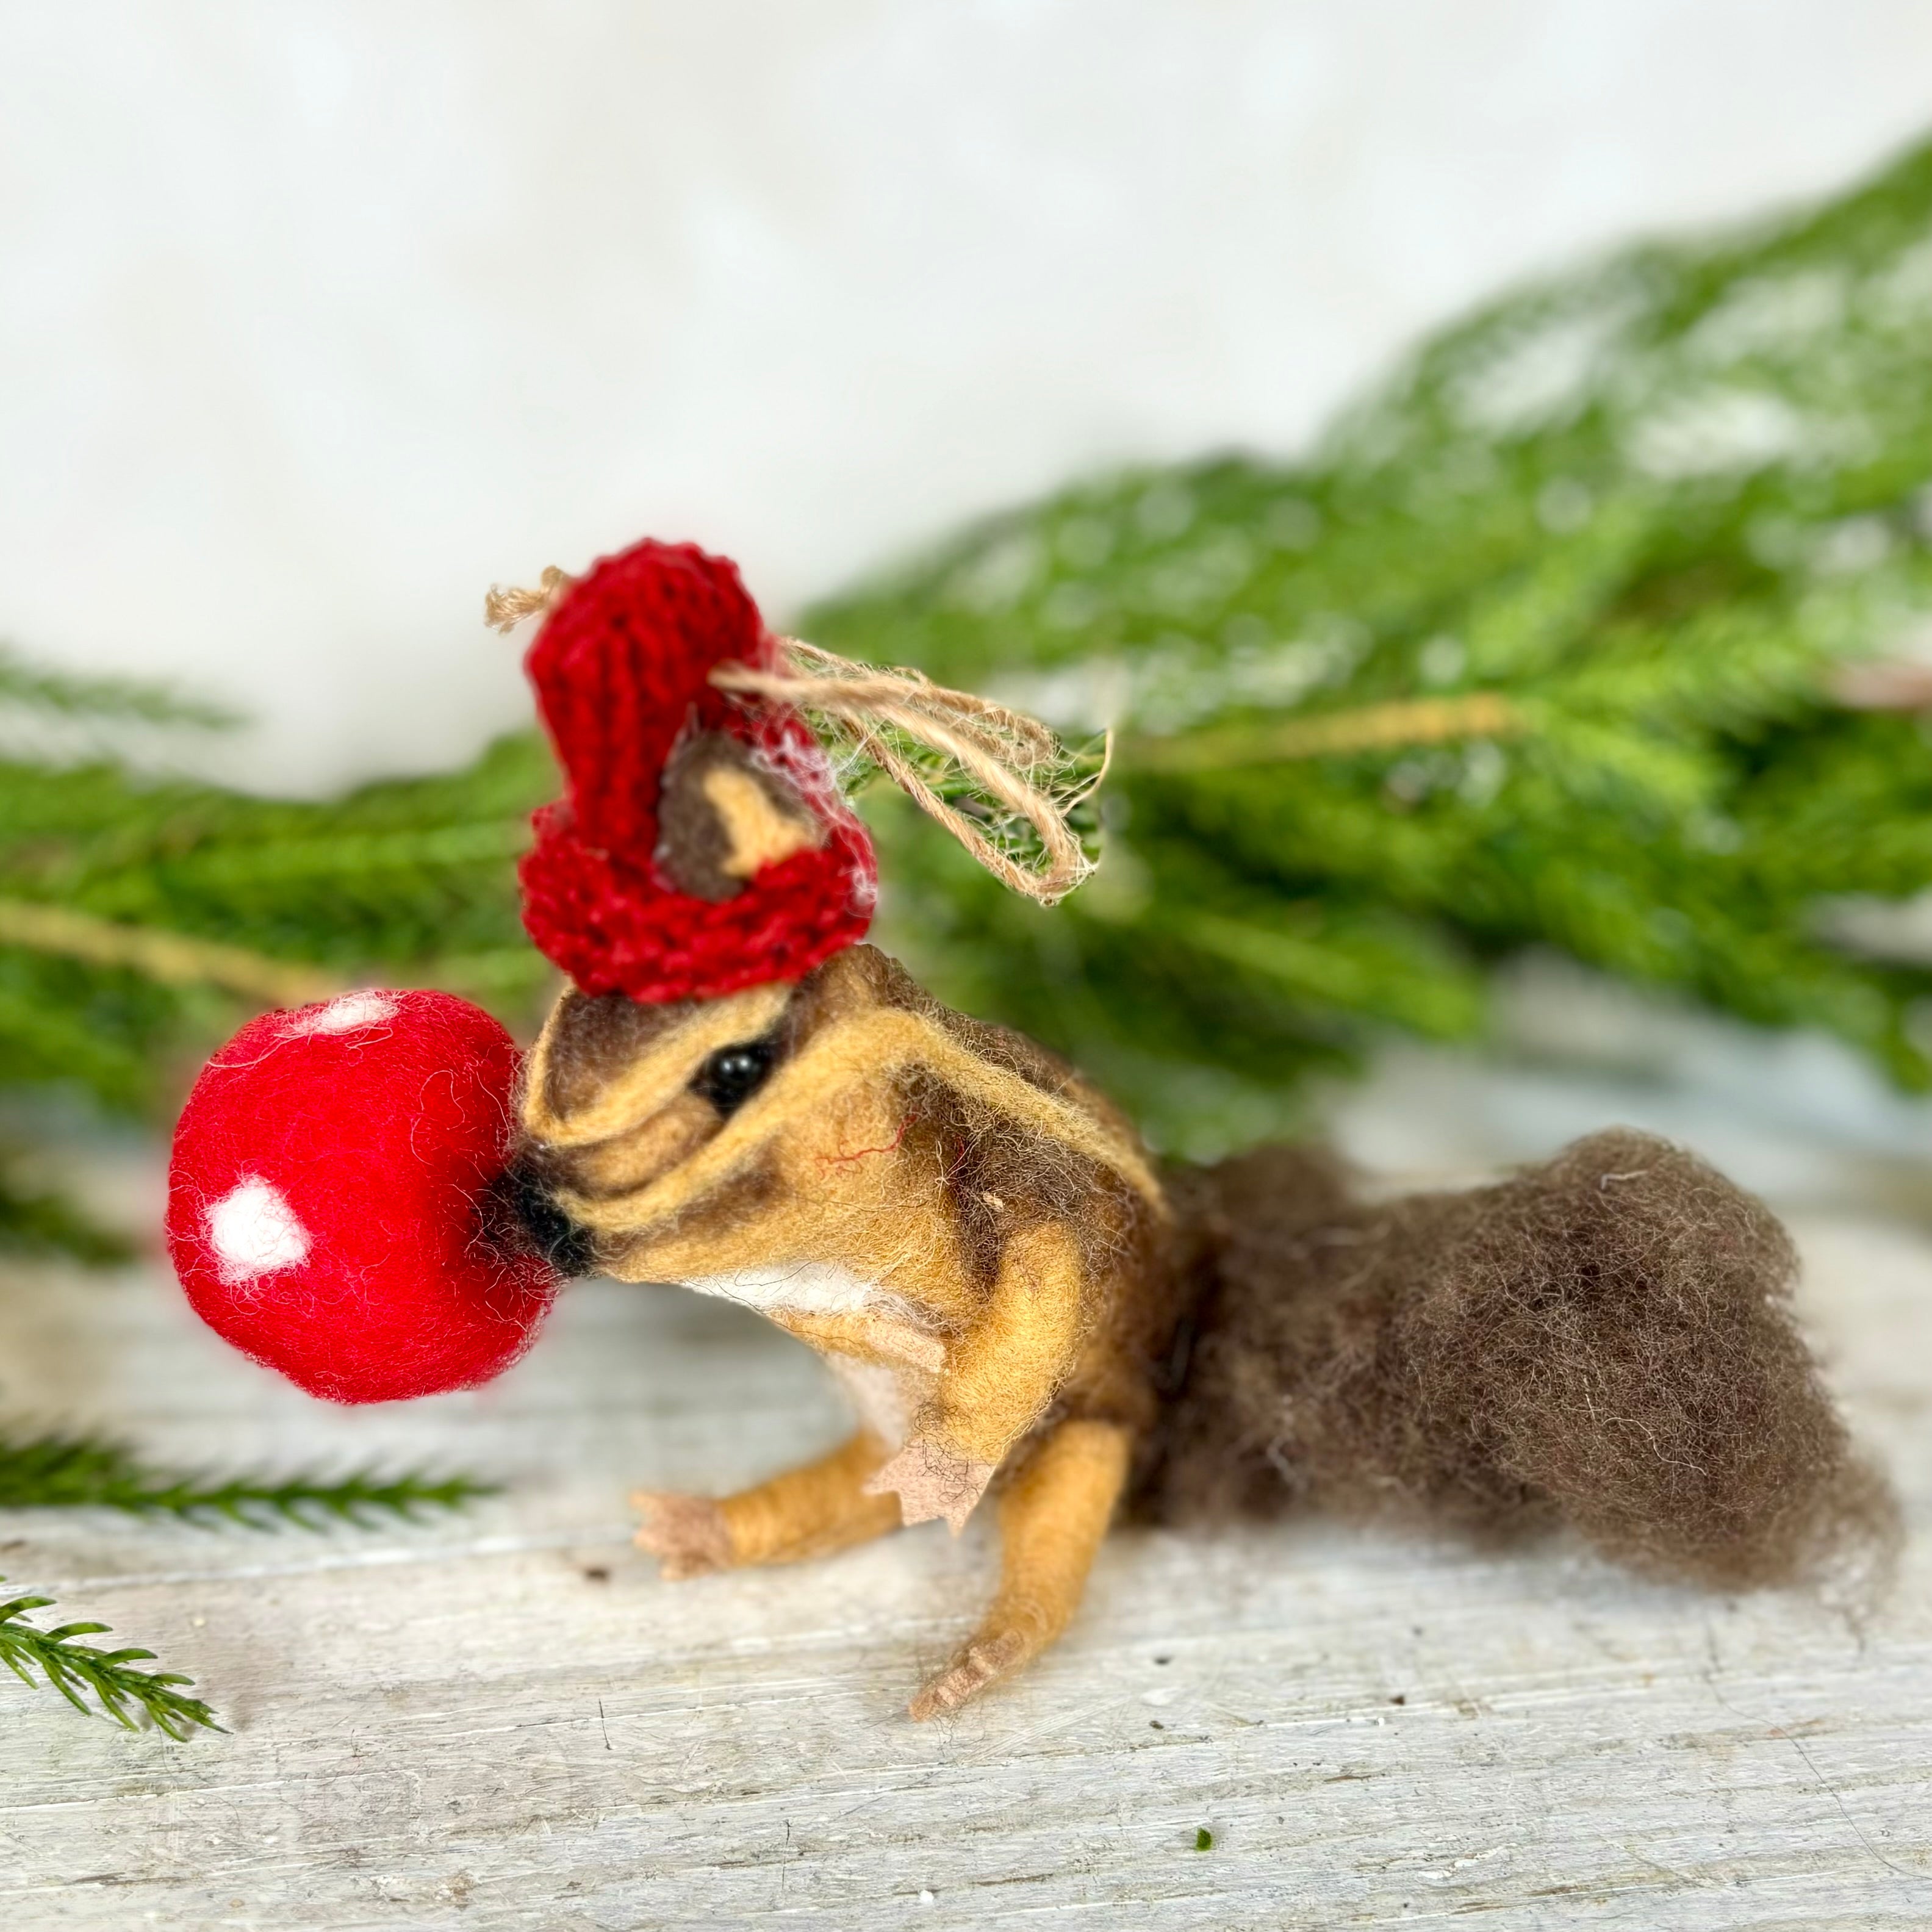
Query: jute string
{"points": [[1004, 752], [504, 606], [1010, 758]]}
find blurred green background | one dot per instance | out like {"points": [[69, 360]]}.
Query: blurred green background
{"points": [[1601, 628]]}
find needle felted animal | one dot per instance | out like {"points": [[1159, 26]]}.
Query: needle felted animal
{"points": [[736, 1093]]}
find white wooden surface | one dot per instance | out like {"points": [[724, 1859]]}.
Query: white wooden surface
{"points": [[506, 1720]]}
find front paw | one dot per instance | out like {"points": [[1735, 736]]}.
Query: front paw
{"points": [[984, 1661], [933, 1481], [688, 1535]]}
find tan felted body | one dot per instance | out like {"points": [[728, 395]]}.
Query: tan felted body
{"points": [[975, 1241], [981, 1249]]}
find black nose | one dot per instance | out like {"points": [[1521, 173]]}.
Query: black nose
{"points": [[531, 1209]]}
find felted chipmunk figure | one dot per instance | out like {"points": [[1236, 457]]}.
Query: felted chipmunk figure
{"points": [[959, 1225], [964, 1230], [737, 1092], [981, 1249]]}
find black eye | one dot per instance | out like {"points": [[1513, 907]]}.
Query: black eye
{"points": [[733, 1074]]}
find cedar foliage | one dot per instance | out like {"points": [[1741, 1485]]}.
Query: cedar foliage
{"points": [[1638, 514], [56, 1472], [52, 1472], [410, 881], [1536, 649], [121, 1688]]}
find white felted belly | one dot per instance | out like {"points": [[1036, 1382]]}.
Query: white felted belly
{"points": [[886, 1395], [799, 1287]]}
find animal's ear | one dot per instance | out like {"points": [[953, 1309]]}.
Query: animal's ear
{"points": [[725, 814]]}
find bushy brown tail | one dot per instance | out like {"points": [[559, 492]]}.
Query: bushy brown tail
{"points": [[1606, 1341]]}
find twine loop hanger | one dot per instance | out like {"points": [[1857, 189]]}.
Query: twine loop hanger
{"points": [[1018, 764]]}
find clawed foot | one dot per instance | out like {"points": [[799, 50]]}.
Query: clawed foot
{"points": [[984, 1661], [688, 1535], [932, 1482]]}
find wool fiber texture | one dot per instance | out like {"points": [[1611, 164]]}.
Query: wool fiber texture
{"points": [[812, 1510], [1605, 1342], [335, 1207], [1002, 1218]]}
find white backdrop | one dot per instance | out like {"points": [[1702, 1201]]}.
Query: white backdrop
{"points": [[315, 317]]}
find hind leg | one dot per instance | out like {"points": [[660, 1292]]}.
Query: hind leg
{"points": [[1051, 1520], [810, 1511]]}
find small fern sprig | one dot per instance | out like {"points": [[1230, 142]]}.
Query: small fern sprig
{"points": [[76, 1472], [120, 1689]]}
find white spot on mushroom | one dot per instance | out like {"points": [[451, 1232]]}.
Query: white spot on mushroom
{"points": [[345, 1013], [254, 1232]]}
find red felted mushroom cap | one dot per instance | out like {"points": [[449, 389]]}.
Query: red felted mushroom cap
{"points": [[333, 1208], [622, 669]]}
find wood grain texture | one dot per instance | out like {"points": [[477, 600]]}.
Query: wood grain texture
{"points": [[506, 1720]]}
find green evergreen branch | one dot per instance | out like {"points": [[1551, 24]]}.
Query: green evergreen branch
{"points": [[172, 959], [72, 1472], [34, 1221], [30, 686], [1538, 648], [120, 1689], [1400, 724]]}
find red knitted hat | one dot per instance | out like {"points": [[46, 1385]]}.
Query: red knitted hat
{"points": [[622, 669]]}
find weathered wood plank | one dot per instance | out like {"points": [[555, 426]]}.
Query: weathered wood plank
{"points": [[506, 1720]]}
